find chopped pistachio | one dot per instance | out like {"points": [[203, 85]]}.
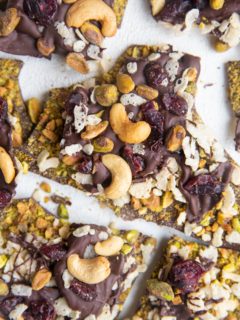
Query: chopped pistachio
{"points": [[3, 260], [62, 211], [126, 249], [161, 290], [131, 236]]}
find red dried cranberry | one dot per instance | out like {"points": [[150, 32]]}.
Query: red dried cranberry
{"points": [[175, 104], [41, 310], [85, 291], [153, 117], [85, 165], [8, 304], [174, 10], [155, 75], [185, 275], [135, 161], [42, 11], [5, 198], [204, 184], [3, 109], [54, 252]]}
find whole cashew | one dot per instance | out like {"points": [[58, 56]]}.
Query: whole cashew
{"points": [[128, 131], [90, 271], [85, 10], [109, 247], [7, 166], [121, 176]]}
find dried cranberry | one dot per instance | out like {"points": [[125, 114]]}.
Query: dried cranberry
{"points": [[185, 275], [174, 11], [8, 304], [41, 310], [155, 75], [85, 291], [54, 252], [135, 161], [153, 117], [3, 109], [5, 198], [204, 184], [85, 165], [175, 104], [42, 11]]}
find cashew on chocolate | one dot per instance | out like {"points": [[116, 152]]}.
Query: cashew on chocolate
{"points": [[90, 271], [86, 10], [121, 176], [128, 131]]}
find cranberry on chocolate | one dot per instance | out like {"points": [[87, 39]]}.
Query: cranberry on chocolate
{"points": [[153, 117], [204, 184], [40, 310], [85, 291], [175, 104], [155, 75], [85, 165], [185, 275], [5, 198], [54, 252], [135, 161], [41, 11]]}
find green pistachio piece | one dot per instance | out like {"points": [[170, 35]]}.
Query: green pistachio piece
{"points": [[160, 289], [62, 211]]}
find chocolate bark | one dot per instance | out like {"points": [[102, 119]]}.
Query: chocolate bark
{"points": [[192, 282], [218, 18], [233, 72], [180, 175], [44, 248], [44, 28], [10, 91]]}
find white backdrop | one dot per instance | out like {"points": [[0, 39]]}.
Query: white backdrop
{"points": [[39, 75]]}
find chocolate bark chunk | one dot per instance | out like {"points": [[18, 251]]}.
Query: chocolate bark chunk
{"points": [[55, 268], [10, 91], [75, 30], [233, 72], [172, 171], [219, 18], [193, 282], [8, 166]]}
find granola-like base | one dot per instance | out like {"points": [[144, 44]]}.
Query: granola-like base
{"points": [[26, 220], [222, 272], [233, 72], [10, 91], [220, 226]]}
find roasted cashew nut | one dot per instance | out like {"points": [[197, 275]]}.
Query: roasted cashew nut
{"points": [[128, 131], [121, 176], [157, 6], [7, 166], [109, 247], [90, 271], [85, 10]]}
